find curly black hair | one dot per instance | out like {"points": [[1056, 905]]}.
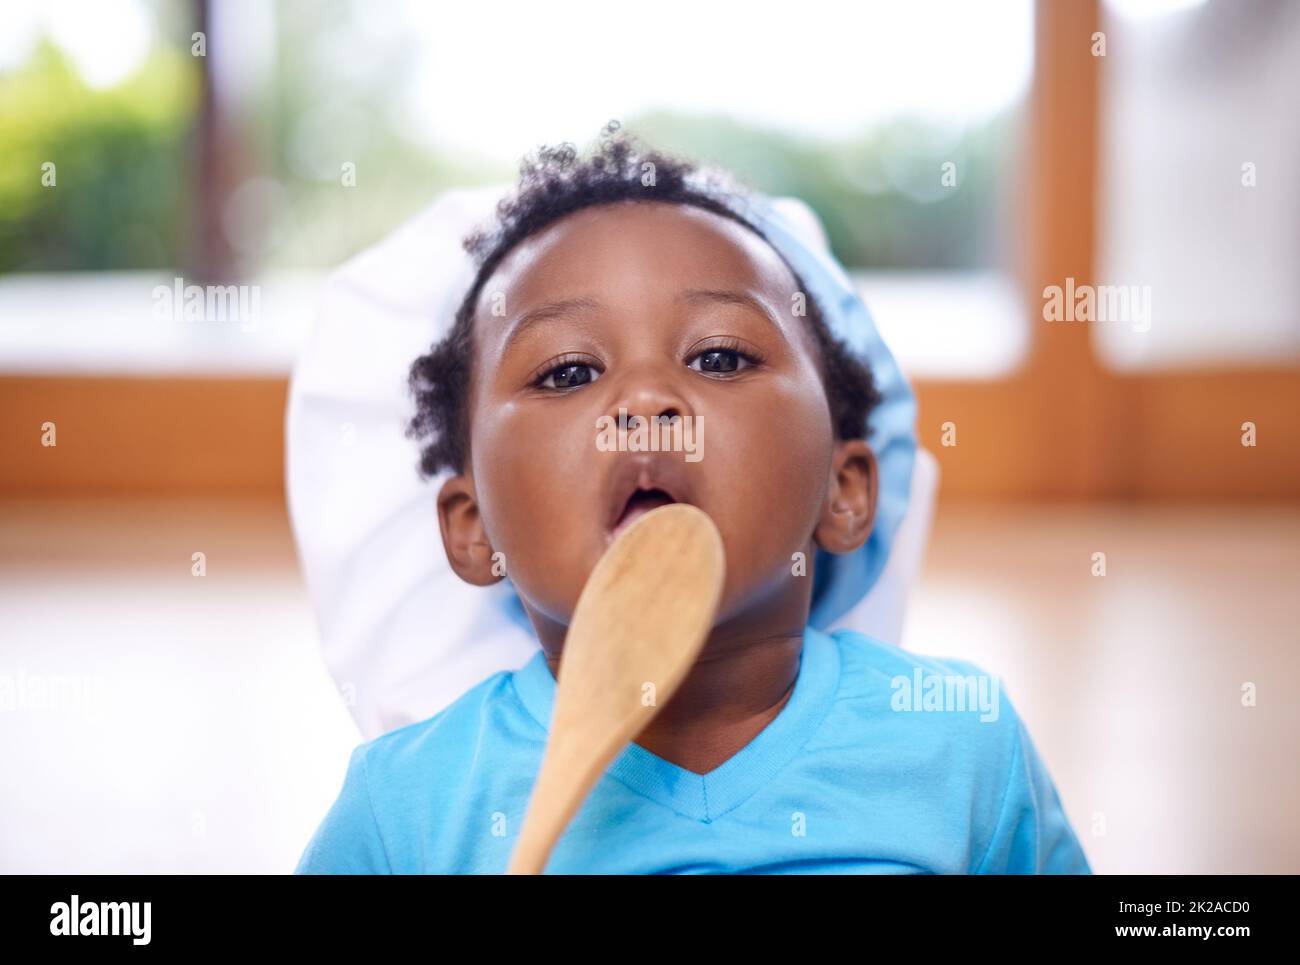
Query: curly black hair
{"points": [[556, 182]]}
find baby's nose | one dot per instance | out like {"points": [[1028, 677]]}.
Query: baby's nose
{"points": [[630, 420], [648, 397]]}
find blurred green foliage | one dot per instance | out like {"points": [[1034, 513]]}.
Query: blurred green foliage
{"points": [[318, 114], [880, 195], [126, 172], [121, 174]]}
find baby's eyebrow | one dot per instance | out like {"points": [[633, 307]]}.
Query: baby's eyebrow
{"points": [[547, 310], [570, 306], [728, 296]]}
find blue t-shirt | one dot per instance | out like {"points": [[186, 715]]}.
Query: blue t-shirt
{"points": [[880, 761]]}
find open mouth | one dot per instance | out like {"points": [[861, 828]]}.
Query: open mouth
{"points": [[638, 504], [638, 485]]}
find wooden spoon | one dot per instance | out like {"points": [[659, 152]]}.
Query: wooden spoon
{"points": [[641, 620]]}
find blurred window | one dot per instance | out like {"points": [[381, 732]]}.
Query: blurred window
{"points": [[899, 123], [1200, 139]]}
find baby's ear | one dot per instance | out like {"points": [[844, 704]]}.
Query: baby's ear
{"points": [[850, 506], [463, 536]]}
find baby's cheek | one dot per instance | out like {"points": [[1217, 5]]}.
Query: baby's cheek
{"points": [[528, 474], [773, 483]]}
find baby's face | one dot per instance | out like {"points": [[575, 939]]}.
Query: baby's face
{"points": [[658, 309]]}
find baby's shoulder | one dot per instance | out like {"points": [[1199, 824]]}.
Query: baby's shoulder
{"points": [[869, 657], [940, 694], [426, 752]]}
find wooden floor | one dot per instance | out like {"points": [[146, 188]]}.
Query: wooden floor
{"points": [[151, 720], [1131, 683]]}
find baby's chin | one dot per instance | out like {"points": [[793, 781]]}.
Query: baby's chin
{"points": [[772, 597], [768, 603], [749, 598], [768, 568]]}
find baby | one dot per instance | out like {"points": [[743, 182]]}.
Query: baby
{"points": [[619, 289]]}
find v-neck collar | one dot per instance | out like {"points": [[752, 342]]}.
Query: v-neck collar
{"points": [[706, 797]]}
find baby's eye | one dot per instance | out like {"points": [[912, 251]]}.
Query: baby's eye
{"points": [[720, 361], [568, 376]]}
